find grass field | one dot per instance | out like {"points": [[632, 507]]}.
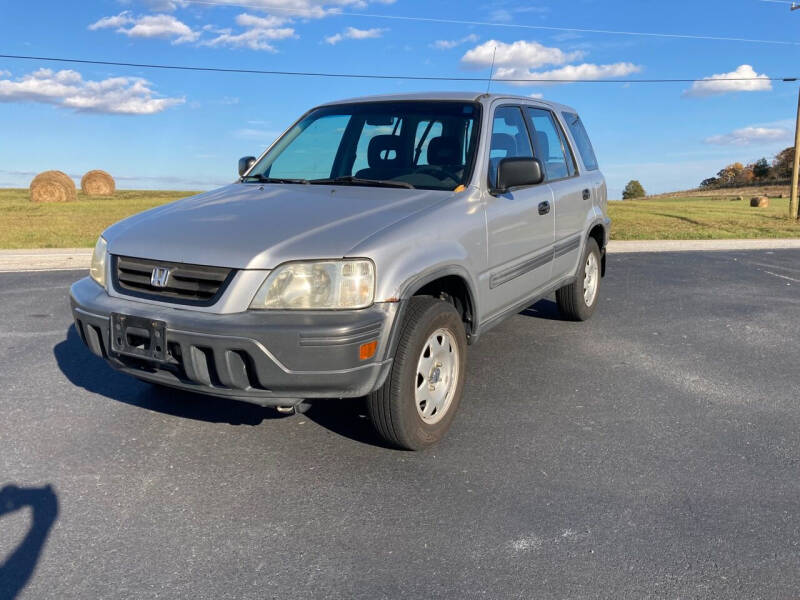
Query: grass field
{"points": [[700, 218], [24, 224], [77, 224]]}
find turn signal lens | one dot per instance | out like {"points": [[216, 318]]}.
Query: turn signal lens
{"points": [[367, 351]]}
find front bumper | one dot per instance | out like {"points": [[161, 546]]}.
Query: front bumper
{"points": [[265, 357]]}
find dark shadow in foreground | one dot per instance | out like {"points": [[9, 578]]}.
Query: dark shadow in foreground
{"points": [[17, 569], [84, 369], [543, 309]]}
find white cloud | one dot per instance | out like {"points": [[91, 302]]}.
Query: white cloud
{"points": [[148, 26], [723, 83], [579, 72], [123, 18], [507, 15], [307, 9], [254, 32], [750, 136], [449, 44], [68, 89], [537, 95], [258, 33], [519, 59], [166, 5], [351, 33], [520, 55]]}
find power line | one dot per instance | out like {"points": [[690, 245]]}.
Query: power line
{"points": [[302, 12], [372, 76]]}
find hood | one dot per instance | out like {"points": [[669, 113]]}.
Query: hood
{"points": [[251, 226]]}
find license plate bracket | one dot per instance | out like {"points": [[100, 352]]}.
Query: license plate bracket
{"points": [[139, 337]]}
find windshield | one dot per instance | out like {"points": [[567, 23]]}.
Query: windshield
{"points": [[427, 145]]}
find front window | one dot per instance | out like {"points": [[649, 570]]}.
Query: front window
{"points": [[509, 139], [426, 145]]}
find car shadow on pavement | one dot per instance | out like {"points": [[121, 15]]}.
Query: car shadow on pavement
{"points": [[16, 570], [91, 373], [345, 417], [543, 309]]}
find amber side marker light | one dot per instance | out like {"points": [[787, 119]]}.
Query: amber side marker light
{"points": [[367, 351]]}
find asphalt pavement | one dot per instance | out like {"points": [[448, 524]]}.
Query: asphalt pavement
{"points": [[652, 452]]}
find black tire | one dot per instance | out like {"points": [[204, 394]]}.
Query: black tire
{"points": [[392, 408], [570, 298]]}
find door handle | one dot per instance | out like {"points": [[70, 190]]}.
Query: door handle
{"points": [[586, 194], [544, 207]]}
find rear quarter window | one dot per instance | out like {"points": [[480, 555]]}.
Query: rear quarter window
{"points": [[581, 140]]}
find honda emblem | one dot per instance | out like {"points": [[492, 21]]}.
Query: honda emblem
{"points": [[159, 277]]}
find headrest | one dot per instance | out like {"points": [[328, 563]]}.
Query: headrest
{"points": [[541, 144], [504, 141], [384, 151], [444, 150]]}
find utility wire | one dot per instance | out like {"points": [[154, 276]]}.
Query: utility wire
{"points": [[334, 12], [373, 76]]}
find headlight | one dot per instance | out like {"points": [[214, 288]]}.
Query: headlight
{"points": [[335, 284], [98, 269]]}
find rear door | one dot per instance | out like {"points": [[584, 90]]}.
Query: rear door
{"points": [[572, 194], [520, 222]]}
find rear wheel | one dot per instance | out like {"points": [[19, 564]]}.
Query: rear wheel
{"points": [[416, 405], [578, 300]]}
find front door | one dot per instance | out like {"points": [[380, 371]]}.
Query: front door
{"points": [[520, 222]]}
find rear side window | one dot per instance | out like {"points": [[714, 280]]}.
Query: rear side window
{"points": [[581, 140], [549, 145]]}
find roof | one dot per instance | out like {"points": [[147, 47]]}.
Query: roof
{"points": [[453, 96]]}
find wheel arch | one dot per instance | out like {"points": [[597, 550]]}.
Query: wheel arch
{"points": [[599, 232], [450, 282]]}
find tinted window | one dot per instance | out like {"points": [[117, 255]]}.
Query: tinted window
{"points": [[428, 145], [581, 138], [311, 154], [426, 131], [509, 139], [369, 131], [549, 146]]}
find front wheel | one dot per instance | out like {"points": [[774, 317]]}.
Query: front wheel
{"points": [[578, 300], [416, 405]]}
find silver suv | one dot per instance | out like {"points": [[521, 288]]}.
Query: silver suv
{"points": [[358, 256]]}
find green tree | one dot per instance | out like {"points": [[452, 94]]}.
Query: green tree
{"points": [[709, 183], [760, 168], [634, 189]]}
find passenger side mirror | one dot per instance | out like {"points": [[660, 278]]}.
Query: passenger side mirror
{"points": [[245, 163], [518, 172]]}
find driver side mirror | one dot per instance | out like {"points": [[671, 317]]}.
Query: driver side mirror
{"points": [[245, 163], [518, 172]]}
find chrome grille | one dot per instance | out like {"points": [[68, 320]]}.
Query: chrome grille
{"points": [[186, 284]]}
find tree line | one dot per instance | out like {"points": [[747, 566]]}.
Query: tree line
{"points": [[760, 171]]}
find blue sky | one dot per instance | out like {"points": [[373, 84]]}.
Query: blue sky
{"points": [[160, 129]]}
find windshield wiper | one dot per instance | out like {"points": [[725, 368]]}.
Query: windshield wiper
{"points": [[350, 180], [262, 179]]}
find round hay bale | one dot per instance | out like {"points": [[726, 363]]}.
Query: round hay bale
{"points": [[98, 183], [53, 186], [759, 202], [739, 198]]}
